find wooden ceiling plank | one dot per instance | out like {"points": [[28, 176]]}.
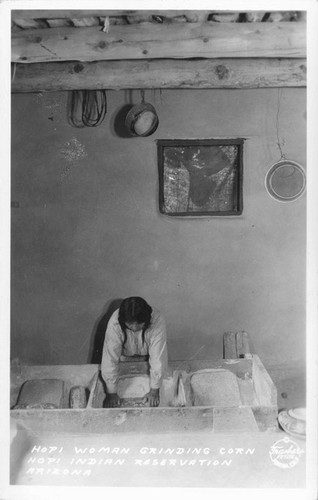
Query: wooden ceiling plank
{"points": [[138, 18], [201, 16], [227, 17], [281, 16], [192, 15], [115, 75], [62, 14], [117, 21], [85, 21], [255, 17], [59, 23], [30, 23], [153, 41], [179, 19]]}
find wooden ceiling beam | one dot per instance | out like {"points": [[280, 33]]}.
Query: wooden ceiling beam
{"points": [[196, 15], [30, 24], [152, 41], [77, 14], [27, 16], [194, 74], [63, 13]]}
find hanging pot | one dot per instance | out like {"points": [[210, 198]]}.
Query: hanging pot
{"points": [[142, 120]]}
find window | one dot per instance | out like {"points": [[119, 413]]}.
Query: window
{"points": [[200, 177]]}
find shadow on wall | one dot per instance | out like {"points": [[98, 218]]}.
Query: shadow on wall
{"points": [[98, 335], [118, 126]]}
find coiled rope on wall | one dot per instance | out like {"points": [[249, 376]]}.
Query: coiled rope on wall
{"points": [[87, 108]]}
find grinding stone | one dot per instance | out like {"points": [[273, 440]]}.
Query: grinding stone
{"points": [[42, 392], [217, 388], [133, 387]]}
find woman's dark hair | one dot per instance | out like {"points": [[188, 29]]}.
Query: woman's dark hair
{"points": [[134, 310]]}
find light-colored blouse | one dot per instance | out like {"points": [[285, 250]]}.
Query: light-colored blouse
{"points": [[155, 345]]}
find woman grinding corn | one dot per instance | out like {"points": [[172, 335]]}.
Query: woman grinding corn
{"points": [[135, 330]]}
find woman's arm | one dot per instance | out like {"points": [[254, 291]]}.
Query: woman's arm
{"points": [[158, 359], [112, 350]]}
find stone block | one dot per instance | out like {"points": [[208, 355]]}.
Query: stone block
{"points": [[41, 392]]}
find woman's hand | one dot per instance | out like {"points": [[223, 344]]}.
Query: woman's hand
{"points": [[153, 397], [112, 400]]}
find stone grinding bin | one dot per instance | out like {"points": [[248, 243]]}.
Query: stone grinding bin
{"points": [[230, 395]]}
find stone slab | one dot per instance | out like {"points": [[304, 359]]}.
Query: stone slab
{"points": [[133, 386], [42, 392], [218, 388]]}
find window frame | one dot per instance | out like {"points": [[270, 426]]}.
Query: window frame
{"points": [[239, 142]]}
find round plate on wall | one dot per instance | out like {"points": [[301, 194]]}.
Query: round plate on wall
{"points": [[285, 180]]}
